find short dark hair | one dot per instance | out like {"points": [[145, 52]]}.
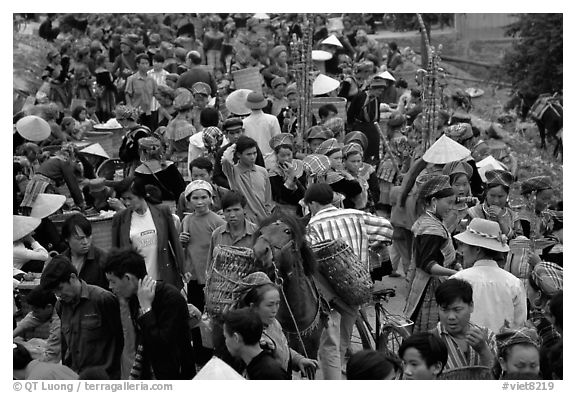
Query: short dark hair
{"points": [[125, 260], [319, 192], [158, 57], [142, 56], [202, 163], [232, 198], [368, 365], [401, 83], [20, 357], [256, 294], [57, 271], [325, 110], [393, 45], [76, 111], [40, 297], [245, 143], [452, 290], [246, 323], [209, 117], [556, 307], [431, 348], [76, 220], [194, 57]]}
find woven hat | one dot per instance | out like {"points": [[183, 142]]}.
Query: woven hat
{"points": [[460, 132], [278, 81], [95, 149], [386, 75], [458, 167], [537, 183], [236, 102], [183, 101], [484, 233], [46, 205], [198, 185], [445, 150], [357, 136], [435, 184], [277, 50], [506, 338], [256, 100], [291, 89], [328, 147], [332, 40], [324, 84], [201, 88], [316, 164], [217, 370], [33, 128], [321, 55], [23, 226], [549, 277], [352, 148], [499, 177], [317, 132], [284, 138], [232, 123]]}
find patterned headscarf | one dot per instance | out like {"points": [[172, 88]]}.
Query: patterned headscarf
{"points": [[316, 164], [212, 138], [183, 101], [458, 167], [548, 277], [253, 280], [336, 125], [499, 177], [459, 132], [436, 186], [537, 183], [328, 147], [507, 338], [351, 148], [126, 112]]}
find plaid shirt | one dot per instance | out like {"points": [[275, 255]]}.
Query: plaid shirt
{"points": [[459, 359], [355, 227]]}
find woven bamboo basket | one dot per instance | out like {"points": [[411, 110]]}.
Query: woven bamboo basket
{"points": [[229, 267], [338, 102], [101, 229], [467, 373], [349, 278], [248, 78]]}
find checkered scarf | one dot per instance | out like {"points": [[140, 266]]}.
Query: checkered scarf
{"points": [[499, 177], [336, 125], [212, 138], [351, 148], [316, 164], [508, 338], [537, 183], [458, 167], [434, 185], [548, 277]]}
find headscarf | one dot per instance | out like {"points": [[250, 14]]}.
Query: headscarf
{"points": [[436, 186], [548, 277], [253, 280], [455, 167], [499, 177], [212, 138], [507, 338], [537, 183]]}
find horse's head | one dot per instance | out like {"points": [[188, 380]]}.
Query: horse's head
{"points": [[279, 245]]}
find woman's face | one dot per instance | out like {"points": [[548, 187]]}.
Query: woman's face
{"points": [[268, 307], [284, 155], [353, 163], [461, 186], [522, 358], [444, 205], [132, 201], [496, 196], [336, 162], [282, 58], [200, 100], [82, 115]]}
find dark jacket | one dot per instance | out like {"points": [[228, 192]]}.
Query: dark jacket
{"points": [[170, 252], [197, 74], [165, 335], [93, 268]]}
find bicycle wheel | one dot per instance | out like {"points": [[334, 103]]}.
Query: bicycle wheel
{"points": [[391, 338]]}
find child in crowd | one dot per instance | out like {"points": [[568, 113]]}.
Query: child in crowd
{"points": [[424, 356]]}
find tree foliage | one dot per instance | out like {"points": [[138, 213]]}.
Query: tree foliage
{"points": [[535, 62]]}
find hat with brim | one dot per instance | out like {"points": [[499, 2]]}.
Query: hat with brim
{"points": [[23, 226], [96, 150], [46, 205], [332, 40], [324, 84], [321, 55], [445, 150], [236, 102], [33, 128], [484, 233], [256, 100], [386, 75], [217, 370]]}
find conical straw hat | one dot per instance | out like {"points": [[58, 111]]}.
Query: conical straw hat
{"points": [[236, 102], [95, 149], [217, 370], [386, 75], [332, 40], [324, 84], [445, 150], [33, 128], [23, 226], [47, 204]]}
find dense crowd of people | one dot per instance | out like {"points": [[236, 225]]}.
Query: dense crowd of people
{"points": [[201, 163]]}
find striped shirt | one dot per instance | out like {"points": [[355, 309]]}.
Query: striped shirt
{"points": [[357, 228], [456, 357]]}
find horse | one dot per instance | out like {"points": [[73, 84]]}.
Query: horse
{"points": [[284, 255]]}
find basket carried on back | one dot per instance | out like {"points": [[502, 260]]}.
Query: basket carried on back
{"points": [[349, 278], [229, 267], [467, 373]]}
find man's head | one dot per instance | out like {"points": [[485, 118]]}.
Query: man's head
{"points": [[317, 196], [424, 356], [233, 207], [42, 303], [158, 62], [242, 328], [455, 305], [201, 169], [143, 62], [61, 277], [77, 232], [193, 58], [123, 269], [246, 150], [233, 128]]}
